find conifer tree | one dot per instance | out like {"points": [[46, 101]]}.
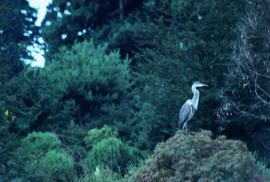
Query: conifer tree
{"points": [[180, 42], [73, 21], [17, 31]]}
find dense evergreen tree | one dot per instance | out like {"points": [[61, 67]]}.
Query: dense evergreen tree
{"points": [[87, 82], [180, 42], [72, 21], [88, 86], [17, 31]]}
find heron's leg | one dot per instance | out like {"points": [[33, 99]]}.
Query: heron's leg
{"points": [[185, 127]]}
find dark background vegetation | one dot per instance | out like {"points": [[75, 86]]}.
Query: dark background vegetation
{"points": [[116, 74]]}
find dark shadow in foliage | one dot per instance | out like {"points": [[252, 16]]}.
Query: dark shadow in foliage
{"points": [[72, 140]]}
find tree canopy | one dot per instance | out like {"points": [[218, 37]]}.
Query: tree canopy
{"points": [[17, 31]]}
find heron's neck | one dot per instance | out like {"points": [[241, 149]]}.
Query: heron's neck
{"points": [[195, 98]]}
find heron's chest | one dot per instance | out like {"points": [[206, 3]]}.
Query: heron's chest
{"points": [[193, 108]]}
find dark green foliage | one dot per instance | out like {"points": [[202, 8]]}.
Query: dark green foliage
{"points": [[79, 18], [72, 139], [179, 42], [87, 83], [84, 85], [114, 154], [9, 141], [96, 135], [198, 158], [245, 112], [118, 35], [93, 86], [26, 100], [17, 31]]}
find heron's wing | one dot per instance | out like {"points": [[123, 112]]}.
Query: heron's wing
{"points": [[184, 113]]}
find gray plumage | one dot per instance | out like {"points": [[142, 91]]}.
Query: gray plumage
{"points": [[190, 106]]}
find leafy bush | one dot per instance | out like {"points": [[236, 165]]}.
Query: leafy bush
{"points": [[96, 135], [112, 153], [198, 158], [38, 143], [41, 158], [55, 165]]}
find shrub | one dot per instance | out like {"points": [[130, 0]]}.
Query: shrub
{"points": [[41, 158], [38, 143], [96, 135], [55, 165], [30, 149], [198, 158], [112, 153]]}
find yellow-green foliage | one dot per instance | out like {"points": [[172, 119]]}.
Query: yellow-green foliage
{"points": [[102, 175], [262, 166], [55, 165], [41, 158], [198, 157], [38, 143], [96, 135], [112, 153]]}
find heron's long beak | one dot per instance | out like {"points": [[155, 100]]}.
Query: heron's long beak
{"points": [[204, 85]]}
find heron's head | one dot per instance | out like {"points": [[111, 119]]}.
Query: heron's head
{"points": [[198, 84]]}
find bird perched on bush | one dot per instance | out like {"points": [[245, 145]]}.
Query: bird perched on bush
{"points": [[190, 106]]}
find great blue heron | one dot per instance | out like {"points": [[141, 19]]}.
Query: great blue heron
{"points": [[190, 106]]}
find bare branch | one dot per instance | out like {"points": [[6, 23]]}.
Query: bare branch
{"points": [[255, 90]]}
